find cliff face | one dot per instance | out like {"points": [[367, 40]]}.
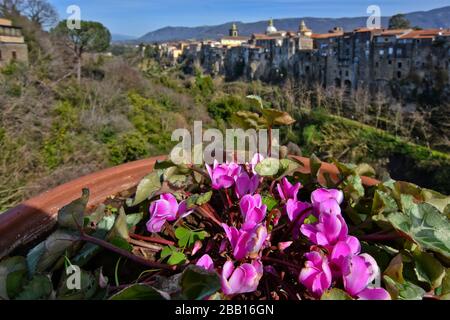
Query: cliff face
{"points": [[407, 68]]}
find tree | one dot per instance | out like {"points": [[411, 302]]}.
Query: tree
{"points": [[399, 21], [40, 12], [91, 37], [10, 8]]}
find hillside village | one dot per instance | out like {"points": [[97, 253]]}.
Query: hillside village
{"points": [[363, 58]]}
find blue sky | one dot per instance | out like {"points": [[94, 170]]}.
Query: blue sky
{"points": [[137, 17]]}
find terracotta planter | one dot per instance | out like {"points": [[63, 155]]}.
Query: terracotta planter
{"points": [[32, 218]]}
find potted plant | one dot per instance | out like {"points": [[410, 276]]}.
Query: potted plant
{"points": [[306, 230]]}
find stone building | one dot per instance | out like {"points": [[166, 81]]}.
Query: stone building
{"points": [[12, 44], [372, 59], [233, 39]]}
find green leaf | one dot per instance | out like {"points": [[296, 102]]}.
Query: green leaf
{"points": [[426, 226], [71, 216], [140, 292], [15, 282], [315, 165], [198, 283], [89, 286], [199, 199], [335, 294], [276, 117], [436, 199], [248, 120], [106, 223], [121, 243], [8, 266], [95, 217], [176, 177], [45, 254], [176, 258], [270, 202], [365, 170], [345, 169], [445, 288], [287, 167], [134, 219], [395, 269], [146, 188], [162, 165], [354, 188], [187, 238], [268, 167], [428, 269], [39, 288], [311, 219], [257, 99], [120, 228], [403, 291], [383, 203]]}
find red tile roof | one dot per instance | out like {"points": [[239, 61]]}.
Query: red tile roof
{"points": [[327, 35]]}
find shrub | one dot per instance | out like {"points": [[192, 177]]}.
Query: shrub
{"points": [[128, 147]]}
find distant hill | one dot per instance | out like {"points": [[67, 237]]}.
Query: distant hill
{"points": [[436, 18], [121, 37]]}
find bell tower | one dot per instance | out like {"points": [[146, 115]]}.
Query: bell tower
{"points": [[234, 32]]}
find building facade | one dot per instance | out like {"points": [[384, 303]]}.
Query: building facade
{"points": [[373, 59], [12, 44]]}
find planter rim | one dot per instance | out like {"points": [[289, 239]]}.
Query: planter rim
{"points": [[30, 219]]}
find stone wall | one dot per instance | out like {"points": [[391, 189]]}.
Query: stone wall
{"points": [[11, 51], [353, 60]]}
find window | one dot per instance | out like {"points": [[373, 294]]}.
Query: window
{"points": [[14, 55], [377, 64], [400, 65], [0, 55], [399, 52], [399, 74], [346, 73], [390, 61], [391, 50], [381, 52]]}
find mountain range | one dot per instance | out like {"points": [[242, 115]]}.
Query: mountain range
{"points": [[436, 18]]}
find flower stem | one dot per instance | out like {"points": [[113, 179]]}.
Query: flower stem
{"points": [[152, 239], [126, 254], [281, 262], [380, 236]]}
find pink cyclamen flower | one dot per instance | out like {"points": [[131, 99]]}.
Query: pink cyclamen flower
{"points": [[288, 191], [341, 252], [321, 195], [206, 263], [331, 227], [197, 246], [253, 211], [223, 175], [242, 279], [245, 242], [316, 275], [257, 158], [166, 209], [293, 210], [246, 185], [358, 273]]}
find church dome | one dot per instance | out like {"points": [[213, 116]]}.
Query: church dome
{"points": [[271, 28]]}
